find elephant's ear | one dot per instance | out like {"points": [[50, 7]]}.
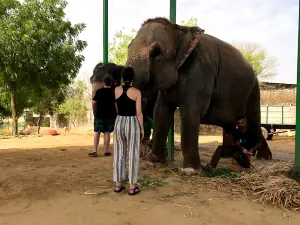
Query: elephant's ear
{"points": [[187, 39]]}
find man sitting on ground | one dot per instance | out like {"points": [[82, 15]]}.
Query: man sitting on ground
{"points": [[245, 143]]}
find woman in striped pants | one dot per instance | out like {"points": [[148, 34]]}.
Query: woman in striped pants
{"points": [[128, 132]]}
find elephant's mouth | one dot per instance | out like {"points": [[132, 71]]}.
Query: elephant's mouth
{"points": [[148, 89]]}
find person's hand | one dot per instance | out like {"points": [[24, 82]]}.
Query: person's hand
{"points": [[142, 134], [248, 152], [251, 150]]}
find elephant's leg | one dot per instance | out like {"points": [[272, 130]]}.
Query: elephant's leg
{"points": [[190, 122], [163, 117], [227, 135], [253, 119]]}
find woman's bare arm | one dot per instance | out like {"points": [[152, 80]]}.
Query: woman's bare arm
{"points": [[116, 105], [139, 113]]}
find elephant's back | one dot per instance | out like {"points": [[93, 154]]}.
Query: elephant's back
{"points": [[235, 78], [225, 50]]}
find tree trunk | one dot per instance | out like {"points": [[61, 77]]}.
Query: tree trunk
{"points": [[14, 113], [39, 123], [53, 120]]}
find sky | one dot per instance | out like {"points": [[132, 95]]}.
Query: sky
{"points": [[271, 23]]}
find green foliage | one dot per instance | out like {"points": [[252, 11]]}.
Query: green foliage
{"points": [[74, 107], [262, 63], [255, 60], [220, 172], [118, 48], [22, 101], [39, 49], [4, 112], [48, 101], [192, 22]]}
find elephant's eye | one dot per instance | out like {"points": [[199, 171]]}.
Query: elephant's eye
{"points": [[156, 52]]}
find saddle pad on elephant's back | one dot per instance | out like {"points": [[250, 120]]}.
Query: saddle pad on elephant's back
{"points": [[196, 38]]}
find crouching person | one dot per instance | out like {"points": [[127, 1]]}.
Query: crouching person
{"points": [[245, 144]]}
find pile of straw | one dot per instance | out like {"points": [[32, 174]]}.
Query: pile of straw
{"points": [[271, 184], [145, 151]]}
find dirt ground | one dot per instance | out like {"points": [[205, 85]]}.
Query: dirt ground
{"points": [[50, 180]]}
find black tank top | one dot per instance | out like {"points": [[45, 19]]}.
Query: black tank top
{"points": [[126, 106]]}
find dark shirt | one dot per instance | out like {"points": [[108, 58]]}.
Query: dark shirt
{"points": [[126, 106], [247, 140], [105, 108]]}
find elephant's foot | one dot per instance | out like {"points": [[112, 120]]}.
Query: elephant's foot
{"points": [[157, 165], [264, 151], [189, 171], [157, 162]]}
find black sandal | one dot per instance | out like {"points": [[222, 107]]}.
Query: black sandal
{"points": [[93, 154], [122, 187], [135, 190], [107, 153]]}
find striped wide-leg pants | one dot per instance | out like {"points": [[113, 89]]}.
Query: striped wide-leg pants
{"points": [[126, 139]]}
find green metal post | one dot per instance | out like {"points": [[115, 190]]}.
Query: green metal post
{"points": [[171, 131], [297, 139], [105, 31], [282, 114], [267, 115]]}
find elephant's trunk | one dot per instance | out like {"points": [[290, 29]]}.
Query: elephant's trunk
{"points": [[142, 75]]}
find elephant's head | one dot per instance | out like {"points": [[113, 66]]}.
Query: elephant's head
{"points": [[102, 70], [158, 51]]}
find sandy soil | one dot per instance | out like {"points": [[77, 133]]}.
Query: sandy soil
{"points": [[50, 180]]}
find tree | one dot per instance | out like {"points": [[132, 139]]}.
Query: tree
{"points": [[192, 22], [39, 49], [47, 102], [118, 48], [3, 114], [89, 88], [263, 64], [74, 107]]}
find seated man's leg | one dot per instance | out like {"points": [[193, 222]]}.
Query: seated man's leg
{"points": [[264, 151], [241, 158], [221, 152]]}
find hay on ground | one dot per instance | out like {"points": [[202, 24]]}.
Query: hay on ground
{"points": [[271, 184]]}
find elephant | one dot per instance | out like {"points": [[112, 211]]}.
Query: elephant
{"points": [[207, 78], [102, 70]]}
